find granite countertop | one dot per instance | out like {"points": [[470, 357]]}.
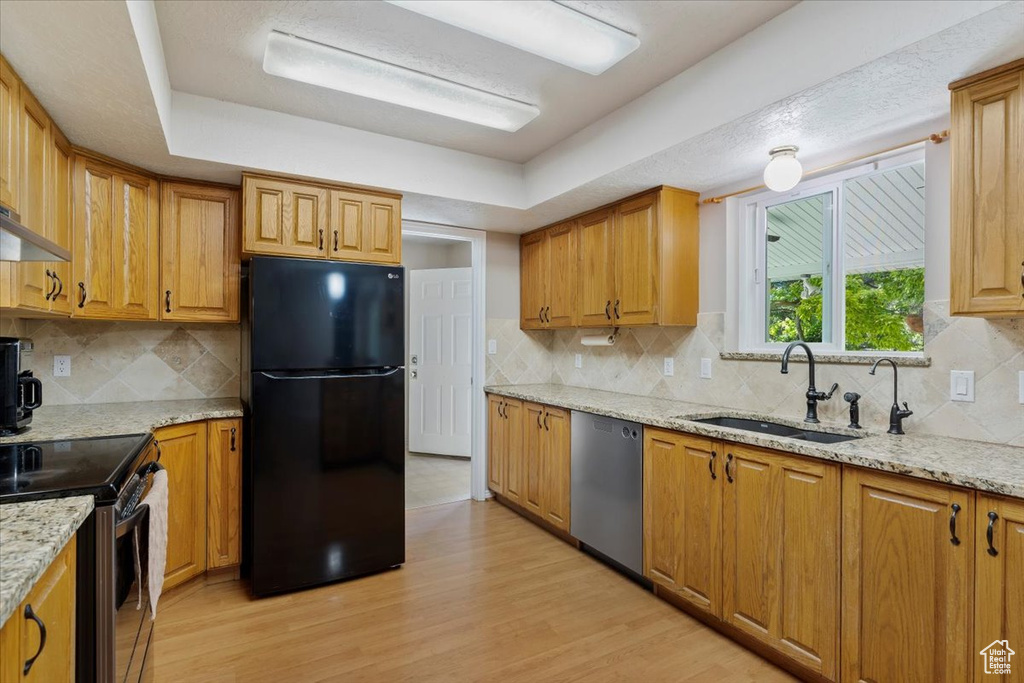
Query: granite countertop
{"points": [[32, 534], [51, 423], [986, 467]]}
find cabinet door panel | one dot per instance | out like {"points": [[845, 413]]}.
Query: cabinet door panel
{"points": [[533, 254], [596, 279], [183, 455], [52, 600], [199, 249], [987, 231], [383, 231], [136, 247], [10, 127], [533, 447], [93, 265], [999, 584], [284, 218], [513, 411], [636, 263], [347, 221], [557, 457], [224, 493], [33, 283], [663, 483], [905, 585], [62, 201], [700, 557], [561, 281], [496, 444]]}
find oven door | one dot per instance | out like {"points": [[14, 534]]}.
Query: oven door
{"points": [[133, 625]]}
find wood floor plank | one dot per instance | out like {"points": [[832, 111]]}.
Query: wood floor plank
{"points": [[484, 596]]}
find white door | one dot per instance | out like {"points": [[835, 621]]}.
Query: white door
{"points": [[440, 360]]}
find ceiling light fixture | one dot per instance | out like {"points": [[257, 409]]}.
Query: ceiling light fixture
{"points": [[784, 171], [310, 62], [545, 28]]}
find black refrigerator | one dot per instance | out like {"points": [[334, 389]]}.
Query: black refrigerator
{"points": [[324, 382]]}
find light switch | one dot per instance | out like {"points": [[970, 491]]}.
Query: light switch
{"points": [[492, 346], [705, 368], [670, 367], [961, 385], [579, 361]]}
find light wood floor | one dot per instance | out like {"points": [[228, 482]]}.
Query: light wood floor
{"points": [[484, 596]]}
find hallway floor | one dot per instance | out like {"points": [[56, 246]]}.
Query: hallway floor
{"points": [[434, 479]]}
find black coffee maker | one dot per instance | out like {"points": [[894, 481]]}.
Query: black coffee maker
{"points": [[20, 392]]}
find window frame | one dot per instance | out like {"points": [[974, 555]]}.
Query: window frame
{"points": [[753, 291]]}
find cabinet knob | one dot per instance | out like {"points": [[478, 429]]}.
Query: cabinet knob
{"points": [[29, 614]]}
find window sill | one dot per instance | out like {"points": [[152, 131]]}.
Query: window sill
{"points": [[828, 358]]}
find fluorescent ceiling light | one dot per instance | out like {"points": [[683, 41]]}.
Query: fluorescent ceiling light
{"points": [[317, 64], [547, 29]]}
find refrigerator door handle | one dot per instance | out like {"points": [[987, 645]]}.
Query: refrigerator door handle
{"points": [[388, 373]]}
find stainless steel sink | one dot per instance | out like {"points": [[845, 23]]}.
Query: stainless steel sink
{"points": [[776, 429]]}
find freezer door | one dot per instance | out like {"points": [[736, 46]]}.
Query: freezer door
{"points": [[327, 459], [310, 315]]}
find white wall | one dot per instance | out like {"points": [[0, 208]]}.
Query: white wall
{"points": [[436, 254], [502, 276]]}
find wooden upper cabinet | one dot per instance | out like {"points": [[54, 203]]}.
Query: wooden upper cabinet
{"points": [[183, 455], [533, 284], [596, 272], [907, 557], [62, 218], [682, 516], [348, 218], [634, 263], [999, 581], [383, 230], [10, 127], [780, 553], [556, 459], [224, 493], [199, 247], [284, 218], [32, 280], [116, 245], [987, 194]]}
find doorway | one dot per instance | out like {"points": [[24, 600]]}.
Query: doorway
{"points": [[442, 348]]}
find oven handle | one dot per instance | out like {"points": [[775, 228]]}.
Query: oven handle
{"points": [[133, 520]]}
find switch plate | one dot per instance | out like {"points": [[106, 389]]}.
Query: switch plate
{"points": [[62, 366], [492, 346], [961, 385], [670, 366], [705, 368], [579, 361], [1020, 382]]}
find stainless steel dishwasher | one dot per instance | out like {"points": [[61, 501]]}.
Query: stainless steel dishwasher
{"points": [[607, 488]]}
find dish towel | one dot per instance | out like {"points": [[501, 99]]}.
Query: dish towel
{"points": [[156, 499]]}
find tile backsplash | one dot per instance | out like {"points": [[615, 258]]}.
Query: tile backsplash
{"points": [[119, 362], [993, 349]]}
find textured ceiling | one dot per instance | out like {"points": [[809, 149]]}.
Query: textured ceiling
{"points": [[215, 49]]}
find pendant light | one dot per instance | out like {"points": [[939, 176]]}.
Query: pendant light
{"points": [[784, 171]]}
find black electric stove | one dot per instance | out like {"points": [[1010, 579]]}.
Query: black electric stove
{"points": [[74, 467]]}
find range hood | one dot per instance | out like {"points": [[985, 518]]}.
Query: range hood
{"points": [[18, 243]]}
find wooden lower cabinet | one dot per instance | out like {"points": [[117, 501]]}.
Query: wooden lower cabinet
{"points": [[999, 585], [513, 447], [183, 455], [908, 555], [556, 458], [52, 602], [780, 553], [682, 516], [505, 433], [224, 493], [533, 451]]}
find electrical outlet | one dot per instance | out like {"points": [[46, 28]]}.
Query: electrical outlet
{"points": [[62, 366], [705, 368], [670, 366], [579, 361], [961, 385], [1020, 381], [492, 346]]}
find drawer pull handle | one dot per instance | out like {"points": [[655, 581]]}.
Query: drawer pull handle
{"points": [[607, 309], [711, 465], [728, 467], [952, 524], [53, 284], [617, 316], [539, 425], [29, 614], [335, 240], [546, 421], [60, 286], [992, 517], [81, 300], [232, 439], [167, 301]]}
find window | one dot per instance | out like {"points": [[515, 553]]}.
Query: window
{"points": [[838, 262]]}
